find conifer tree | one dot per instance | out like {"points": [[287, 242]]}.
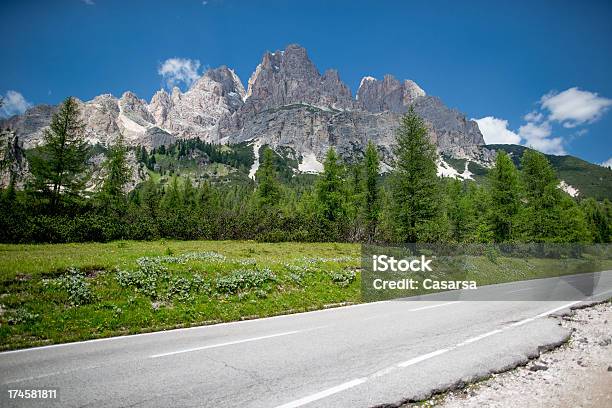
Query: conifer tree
{"points": [[505, 198], [118, 173], [462, 211], [330, 193], [189, 194], [550, 214], [59, 165], [415, 185], [268, 192], [371, 196]]}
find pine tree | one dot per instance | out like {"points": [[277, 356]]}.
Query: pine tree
{"points": [[173, 197], [268, 192], [371, 196], [550, 214], [505, 198], [59, 165], [415, 185], [330, 193], [118, 173], [354, 201], [462, 211]]}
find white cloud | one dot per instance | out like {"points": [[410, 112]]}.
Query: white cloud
{"points": [[495, 131], [534, 116], [13, 103], [553, 145], [570, 108], [535, 131], [537, 136], [179, 70], [607, 163], [574, 107]]}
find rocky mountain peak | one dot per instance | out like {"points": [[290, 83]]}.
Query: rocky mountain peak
{"points": [[290, 77], [450, 128], [336, 93], [160, 105], [412, 91], [295, 63], [387, 95], [289, 103], [134, 108]]}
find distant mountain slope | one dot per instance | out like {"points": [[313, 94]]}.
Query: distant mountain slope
{"points": [[591, 180]]}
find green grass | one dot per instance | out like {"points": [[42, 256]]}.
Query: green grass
{"points": [[43, 301]]}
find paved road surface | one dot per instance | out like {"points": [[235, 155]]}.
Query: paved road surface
{"points": [[355, 356]]}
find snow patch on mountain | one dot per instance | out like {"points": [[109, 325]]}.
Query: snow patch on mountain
{"points": [[467, 174], [130, 125], [446, 170], [255, 166], [366, 78], [572, 191], [385, 168], [310, 164]]}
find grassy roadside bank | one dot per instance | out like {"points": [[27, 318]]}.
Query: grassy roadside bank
{"points": [[69, 292]]}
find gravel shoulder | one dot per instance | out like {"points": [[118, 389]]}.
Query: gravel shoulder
{"points": [[577, 374]]}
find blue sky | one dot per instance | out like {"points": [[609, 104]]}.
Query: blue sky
{"points": [[495, 61]]}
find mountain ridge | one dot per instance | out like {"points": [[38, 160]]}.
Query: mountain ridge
{"points": [[287, 103]]}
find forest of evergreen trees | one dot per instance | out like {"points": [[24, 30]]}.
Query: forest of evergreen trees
{"points": [[345, 203]]}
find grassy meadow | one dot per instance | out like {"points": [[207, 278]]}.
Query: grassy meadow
{"points": [[67, 292]]}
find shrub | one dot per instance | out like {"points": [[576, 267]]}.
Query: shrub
{"points": [[244, 279], [343, 278], [20, 316], [139, 279], [182, 288], [145, 278], [179, 287], [79, 290]]}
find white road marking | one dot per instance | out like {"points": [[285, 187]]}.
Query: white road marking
{"points": [[520, 290], [411, 310], [424, 357], [323, 394], [229, 343], [530, 319], [480, 337], [432, 306]]}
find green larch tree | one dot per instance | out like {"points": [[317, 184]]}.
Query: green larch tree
{"points": [[416, 197], [59, 165], [371, 191], [505, 198]]}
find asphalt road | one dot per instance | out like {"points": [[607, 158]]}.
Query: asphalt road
{"points": [[355, 356]]}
